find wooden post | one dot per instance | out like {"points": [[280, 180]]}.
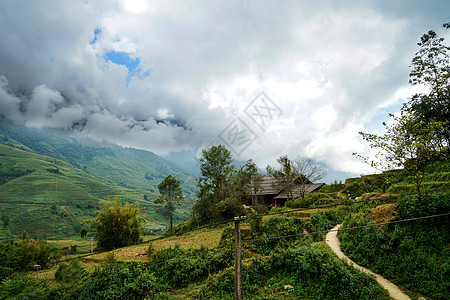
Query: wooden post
{"points": [[237, 257]]}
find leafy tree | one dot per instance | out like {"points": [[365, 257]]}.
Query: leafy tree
{"points": [[431, 67], [23, 253], [408, 143], [214, 183], [116, 225], [420, 135], [170, 195], [247, 182], [284, 176]]}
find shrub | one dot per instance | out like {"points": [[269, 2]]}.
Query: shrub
{"points": [[178, 267], [314, 199], [312, 270], [414, 254], [332, 188], [230, 207], [72, 272]]}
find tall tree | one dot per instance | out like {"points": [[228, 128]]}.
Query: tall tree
{"points": [[115, 225], [420, 135], [214, 183], [247, 182], [431, 68], [170, 196], [284, 176]]}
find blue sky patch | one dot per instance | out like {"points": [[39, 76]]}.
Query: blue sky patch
{"points": [[97, 32], [132, 64]]}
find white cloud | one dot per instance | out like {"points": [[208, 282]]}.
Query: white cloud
{"points": [[329, 66]]}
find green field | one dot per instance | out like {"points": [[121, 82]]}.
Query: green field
{"points": [[48, 197]]}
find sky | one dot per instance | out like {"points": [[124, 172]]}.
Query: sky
{"points": [[264, 78]]}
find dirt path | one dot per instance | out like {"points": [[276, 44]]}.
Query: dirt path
{"points": [[333, 242]]}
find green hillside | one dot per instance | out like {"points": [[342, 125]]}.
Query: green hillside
{"points": [[126, 167], [47, 197]]}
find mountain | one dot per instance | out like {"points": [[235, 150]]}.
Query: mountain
{"points": [[126, 167], [50, 182]]}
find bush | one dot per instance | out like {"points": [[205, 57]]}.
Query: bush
{"points": [[332, 188], [24, 253], [230, 207], [405, 188], [314, 199], [178, 267], [72, 272], [312, 270], [414, 254]]}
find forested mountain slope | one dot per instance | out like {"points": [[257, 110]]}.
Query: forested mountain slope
{"points": [[126, 167]]}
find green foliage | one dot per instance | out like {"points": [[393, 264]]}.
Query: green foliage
{"points": [[21, 287], [313, 272], [420, 135], [409, 144], [222, 188], [255, 220], [116, 225], [230, 207], [24, 253], [214, 183], [431, 67], [405, 188], [178, 267], [414, 254], [7, 174], [315, 199], [332, 188], [170, 196], [72, 272]]}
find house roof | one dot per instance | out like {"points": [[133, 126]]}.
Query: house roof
{"points": [[269, 187], [296, 192]]}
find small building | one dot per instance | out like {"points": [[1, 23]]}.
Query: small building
{"points": [[270, 194]]}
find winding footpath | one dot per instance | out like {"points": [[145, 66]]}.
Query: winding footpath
{"points": [[333, 242]]}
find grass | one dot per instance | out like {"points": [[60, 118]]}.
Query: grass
{"points": [[46, 204], [194, 239]]}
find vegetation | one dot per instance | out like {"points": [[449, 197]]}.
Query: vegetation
{"points": [[36, 199], [24, 253], [414, 254], [170, 196], [222, 188], [126, 167], [116, 225], [420, 135]]}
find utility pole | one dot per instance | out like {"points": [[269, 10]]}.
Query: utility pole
{"points": [[237, 257]]}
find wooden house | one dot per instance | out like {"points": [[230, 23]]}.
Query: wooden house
{"points": [[270, 194]]}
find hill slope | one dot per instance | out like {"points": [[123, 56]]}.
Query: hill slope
{"points": [[46, 196], [126, 167]]}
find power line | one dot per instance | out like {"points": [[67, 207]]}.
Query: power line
{"points": [[200, 251], [254, 240], [232, 220], [354, 202], [350, 228]]}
